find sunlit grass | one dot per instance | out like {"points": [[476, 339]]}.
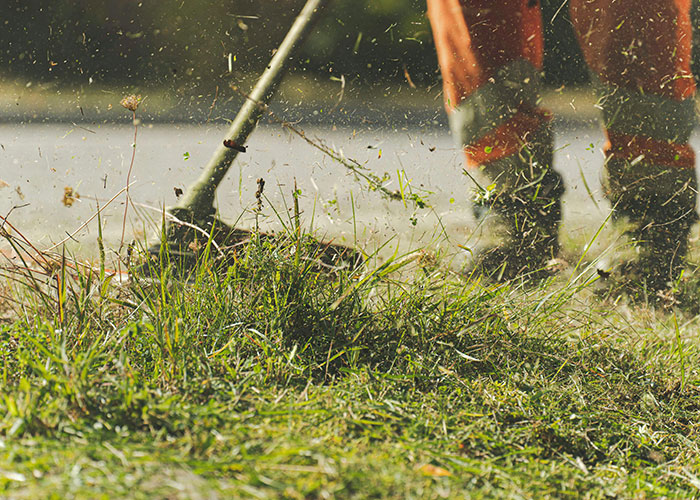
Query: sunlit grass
{"points": [[269, 375]]}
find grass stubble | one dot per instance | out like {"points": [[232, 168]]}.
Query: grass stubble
{"points": [[264, 375]]}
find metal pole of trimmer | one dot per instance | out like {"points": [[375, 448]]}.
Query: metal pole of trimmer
{"points": [[199, 198]]}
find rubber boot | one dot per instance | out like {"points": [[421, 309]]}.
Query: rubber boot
{"points": [[659, 203], [525, 194]]}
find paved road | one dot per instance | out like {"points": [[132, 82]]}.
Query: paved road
{"points": [[39, 161]]}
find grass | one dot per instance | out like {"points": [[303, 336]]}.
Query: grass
{"points": [[269, 377], [36, 100]]}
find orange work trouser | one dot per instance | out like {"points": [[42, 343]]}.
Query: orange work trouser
{"points": [[490, 55]]}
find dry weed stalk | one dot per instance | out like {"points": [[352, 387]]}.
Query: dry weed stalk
{"points": [[130, 102]]}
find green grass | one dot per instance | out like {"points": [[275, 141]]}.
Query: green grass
{"points": [[267, 378]]}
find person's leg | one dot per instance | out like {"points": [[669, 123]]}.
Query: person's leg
{"points": [[639, 53], [490, 56]]}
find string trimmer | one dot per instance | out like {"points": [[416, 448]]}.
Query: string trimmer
{"points": [[195, 214]]}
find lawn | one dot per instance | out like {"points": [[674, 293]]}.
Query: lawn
{"points": [[267, 375]]}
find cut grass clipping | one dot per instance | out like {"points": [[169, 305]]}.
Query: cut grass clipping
{"points": [[271, 377]]}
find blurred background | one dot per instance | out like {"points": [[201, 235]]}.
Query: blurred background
{"points": [[184, 44], [184, 52]]}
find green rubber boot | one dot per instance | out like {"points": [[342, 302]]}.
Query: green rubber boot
{"points": [[659, 205], [525, 194]]}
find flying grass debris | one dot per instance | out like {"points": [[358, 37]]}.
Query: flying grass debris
{"points": [[69, 196]]}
